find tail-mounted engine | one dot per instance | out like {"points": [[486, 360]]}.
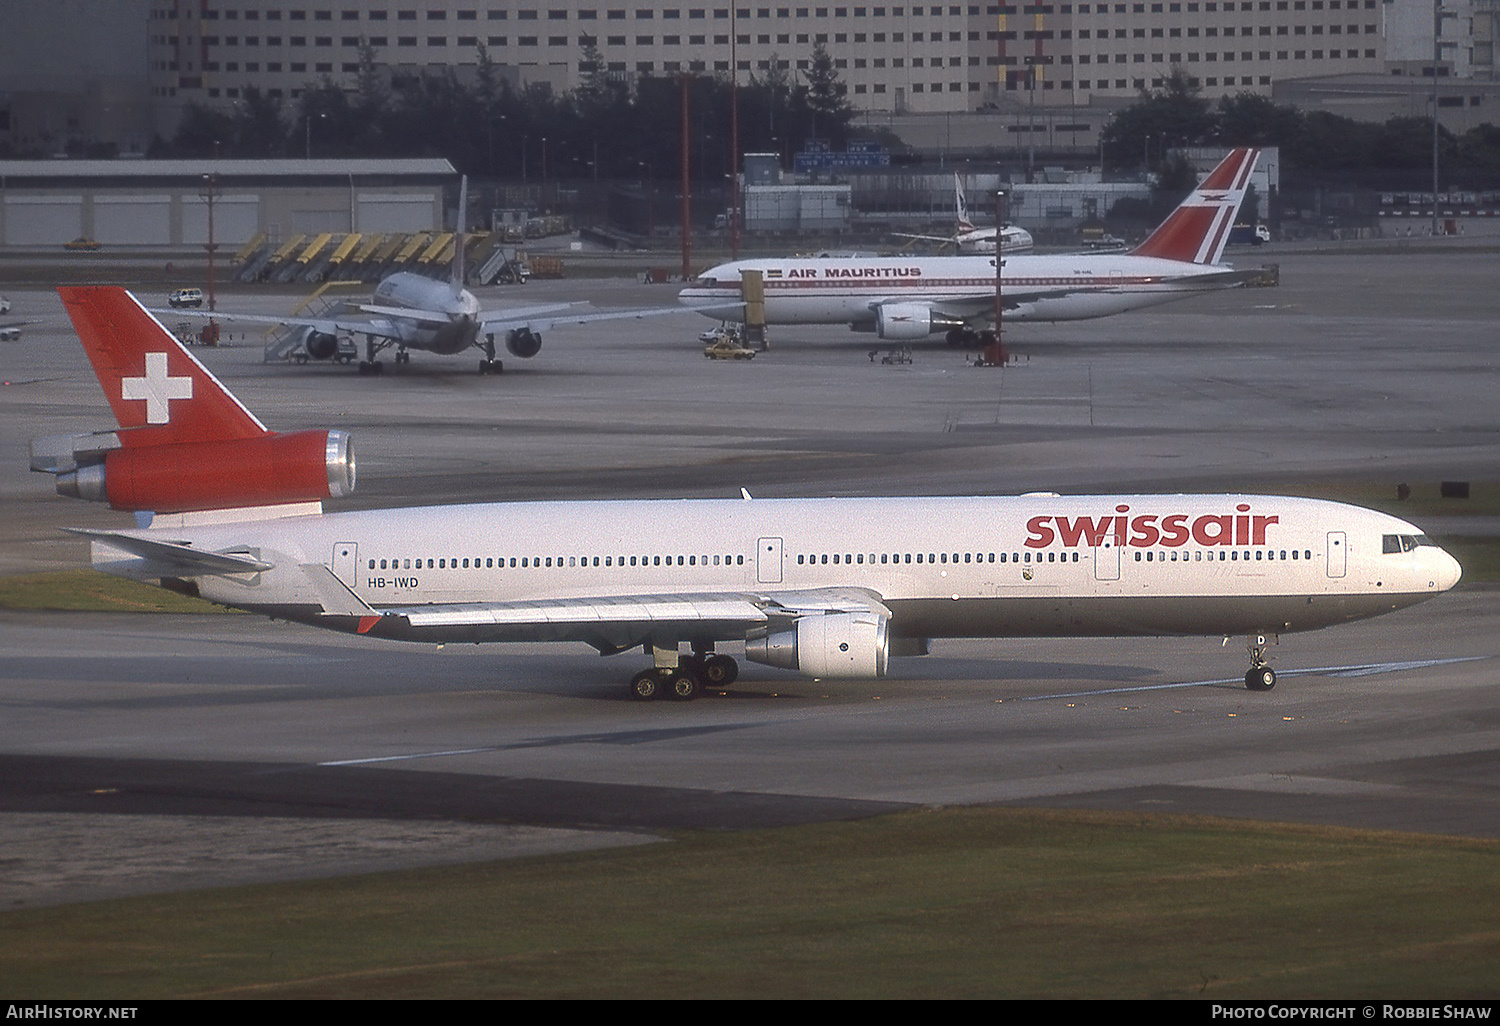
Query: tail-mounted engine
{"points": [[303, 466], [830, 645]]}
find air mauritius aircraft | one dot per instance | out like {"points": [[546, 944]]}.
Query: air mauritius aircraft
{"points": [[829, 588], [966, 238], [907, 298]]}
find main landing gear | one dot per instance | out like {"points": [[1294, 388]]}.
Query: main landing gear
{"points": [[490, 365], [370, 365], [683, 677], [1260, 676]]}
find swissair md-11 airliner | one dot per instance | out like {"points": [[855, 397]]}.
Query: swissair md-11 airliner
{"points": [[908, 298], [828, 588]]}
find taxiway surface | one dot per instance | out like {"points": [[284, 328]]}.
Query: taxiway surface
{"points": [[1365, 369]]}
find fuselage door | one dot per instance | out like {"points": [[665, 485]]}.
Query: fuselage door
{"points": [[1107, 560], [1338, 554], [768, 561], [346, 562]]}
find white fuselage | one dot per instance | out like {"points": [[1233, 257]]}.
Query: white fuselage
{"points": [[405, 290], [982, 240], [1036, 565], [1057, 287]]}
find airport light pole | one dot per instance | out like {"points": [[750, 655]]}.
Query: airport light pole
{"points": [[210, 192], [1437, 52], [307, 135], [1000, 216], [687, 189]]}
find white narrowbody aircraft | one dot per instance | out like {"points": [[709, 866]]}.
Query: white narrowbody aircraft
{"points": [[821, 587], [907, 298], [413, 311], [966, 238]]}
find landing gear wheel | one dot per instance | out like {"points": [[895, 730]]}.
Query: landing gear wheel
{"points": [[1260, 678], [491, 367], [683, 685], [720, 671], [645, 685]]}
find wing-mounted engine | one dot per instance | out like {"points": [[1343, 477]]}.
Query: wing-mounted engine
{"points": [[850, 645], [319, 345], [272, 469], [911, 321], [523, 342]]}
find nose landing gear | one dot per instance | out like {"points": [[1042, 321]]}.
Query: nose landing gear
{"points": [[1260, 676]]}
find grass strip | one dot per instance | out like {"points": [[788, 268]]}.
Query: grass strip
{"points": [[92, 591], [934, 903]]}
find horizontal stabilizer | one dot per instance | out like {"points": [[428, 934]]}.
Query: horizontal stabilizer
{"points": [[182, 558]]}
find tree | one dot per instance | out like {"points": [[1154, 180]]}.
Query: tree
{"points": [[826, 98], [1247, 119], [1173, 115]]}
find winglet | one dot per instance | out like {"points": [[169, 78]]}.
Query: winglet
{"points": [[1197, 231], [156, 388]]}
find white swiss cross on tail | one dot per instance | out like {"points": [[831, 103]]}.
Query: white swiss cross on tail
{"points": [[157, 388]]}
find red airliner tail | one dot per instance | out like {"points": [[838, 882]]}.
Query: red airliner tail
{"points": [[1197, 231], [185, 443]]}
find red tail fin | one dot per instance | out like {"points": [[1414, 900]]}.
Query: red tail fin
{"points": [[1198, 229], [185, 445], [158, 391]]}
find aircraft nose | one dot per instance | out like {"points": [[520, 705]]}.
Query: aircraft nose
{"points": [[1444, 571]]}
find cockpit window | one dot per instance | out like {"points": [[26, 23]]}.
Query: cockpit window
{"points": [[1403, 542]]}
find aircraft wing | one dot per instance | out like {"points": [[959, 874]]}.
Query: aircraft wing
{"points": [[328, 325], [510, 320], [925, 238], [615, 623], [437, 317], [980, 304]]}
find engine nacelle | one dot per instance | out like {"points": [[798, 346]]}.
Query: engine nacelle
{"points": [[305, 466], [320, 345], [908, 322], [829, 645], [523, 342]]}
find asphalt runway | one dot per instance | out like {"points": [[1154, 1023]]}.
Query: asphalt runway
{"points": [[143, 753]]}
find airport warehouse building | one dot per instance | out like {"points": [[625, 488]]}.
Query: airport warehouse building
{"points": [[167, 202]]}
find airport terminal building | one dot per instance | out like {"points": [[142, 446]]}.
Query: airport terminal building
{"points": [[1053, 68], [897, 57]]}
